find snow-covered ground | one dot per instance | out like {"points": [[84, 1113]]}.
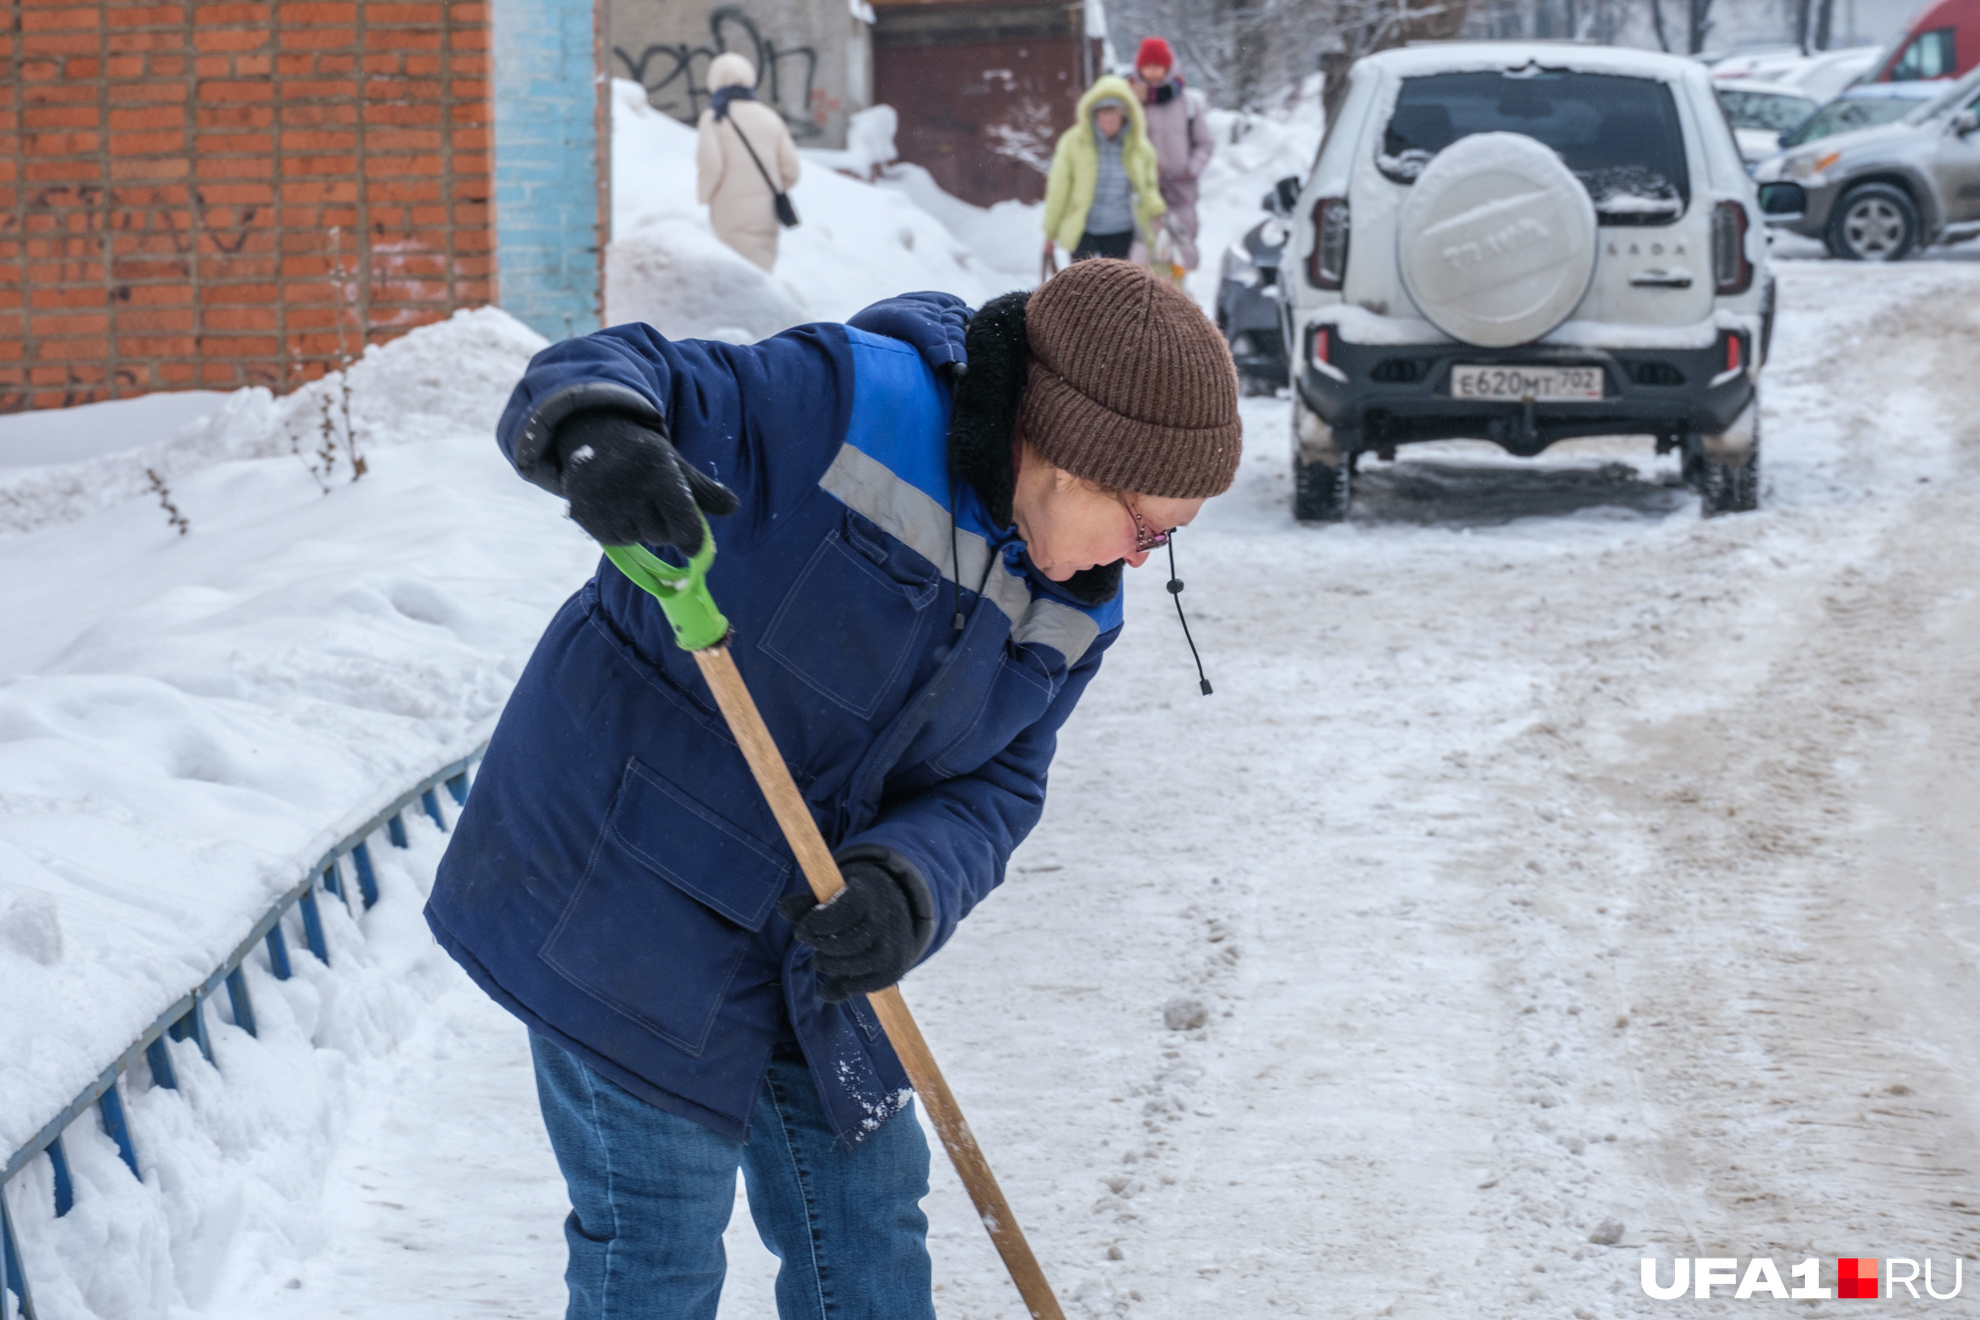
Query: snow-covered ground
{"points": [[858, 243], [185, 722], [224, 652], [72, 435], [855, 243], [1548, 858]]}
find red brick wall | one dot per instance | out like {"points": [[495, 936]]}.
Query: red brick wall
{"points": [[200, 195]]}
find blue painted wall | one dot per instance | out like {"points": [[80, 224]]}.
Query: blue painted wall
{"points": [[546, 165]]}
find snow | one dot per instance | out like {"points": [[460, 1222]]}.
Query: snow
{"points": [[398, 397], [190, 720], [1555, 879], [1404, 167], [68, 435], [1460, 56], [1008, 236], [1603, 334], [1819, 76], [1625, 203], [856, 244], [869, 143], [1358, 325]]}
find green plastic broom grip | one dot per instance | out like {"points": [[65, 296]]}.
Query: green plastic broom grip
{"points": [[682, 592]]}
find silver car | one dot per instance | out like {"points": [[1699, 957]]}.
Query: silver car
{"points": [[1879, 194]]}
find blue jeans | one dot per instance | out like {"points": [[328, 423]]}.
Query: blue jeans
{"points": [[651, 1194]]}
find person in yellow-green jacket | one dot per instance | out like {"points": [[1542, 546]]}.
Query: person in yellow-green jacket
{"points": [[1105, 188]]}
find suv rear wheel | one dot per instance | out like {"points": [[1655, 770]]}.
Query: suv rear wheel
{"points": [[1873, 222], [1724, 487], [1322, 493]]}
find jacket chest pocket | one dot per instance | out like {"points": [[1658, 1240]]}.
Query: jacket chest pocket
{"points": [[1017, 696], [850, 624], [669, 905]]}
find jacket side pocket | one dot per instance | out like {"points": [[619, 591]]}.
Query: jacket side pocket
{"points": [[673, 896]]}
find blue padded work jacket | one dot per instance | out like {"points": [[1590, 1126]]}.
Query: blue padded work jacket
{"points": [[613, 880]]}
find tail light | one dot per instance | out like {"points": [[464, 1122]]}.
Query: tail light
{"points": [[1319, 351], [1326, 264], [1737, 348], [1731, 271], [1318, 345]]}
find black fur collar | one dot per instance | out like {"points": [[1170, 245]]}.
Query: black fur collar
{"points": [[985, 418]]}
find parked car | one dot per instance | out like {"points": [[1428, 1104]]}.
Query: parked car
{"points": [[1879, 194], [1942, 42], [1744, 61], [1818, 76], [1759, 113], [1824, 75], [1524, 243], [1248, 294], [1865, 105]]}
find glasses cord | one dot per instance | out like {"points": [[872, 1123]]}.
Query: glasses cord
{"points": [[1175, 592], [955, 561]]}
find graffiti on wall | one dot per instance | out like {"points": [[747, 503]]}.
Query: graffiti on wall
{"points": [[676, 75]]}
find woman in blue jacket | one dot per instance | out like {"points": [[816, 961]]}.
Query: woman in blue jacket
{"points": [[921, 519]]}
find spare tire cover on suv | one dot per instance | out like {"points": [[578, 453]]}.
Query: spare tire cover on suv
{"points": [[1497, 240]]}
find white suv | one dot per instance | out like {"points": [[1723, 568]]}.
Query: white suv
{"points": [[1524, 242]]}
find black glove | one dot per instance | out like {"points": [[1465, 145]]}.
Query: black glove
{"points": [[870, 934], [629, 486]]}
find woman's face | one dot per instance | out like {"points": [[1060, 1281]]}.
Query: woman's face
{"points": [[1109, 119], [1071, 525], [1154, 74]]}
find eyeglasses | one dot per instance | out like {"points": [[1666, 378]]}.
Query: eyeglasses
{"points": [[1145, 539]]}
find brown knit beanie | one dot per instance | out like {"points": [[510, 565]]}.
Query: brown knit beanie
{"points": [[1130, 386]]}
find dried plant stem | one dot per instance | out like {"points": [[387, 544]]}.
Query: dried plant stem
{"points": [[178, 520]]}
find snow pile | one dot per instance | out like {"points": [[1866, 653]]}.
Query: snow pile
{"points": [[857, 243], [433, 381], [1395, 983], [1008, 236], [869, 143], [243, 1192], [187, 720], [235, 639], [70, 435]]}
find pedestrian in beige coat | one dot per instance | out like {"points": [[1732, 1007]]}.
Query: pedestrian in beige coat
{"points": [[741, 202]]}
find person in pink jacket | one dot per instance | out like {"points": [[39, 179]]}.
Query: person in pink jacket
{"points": [[1180, 130], [737, 186]]}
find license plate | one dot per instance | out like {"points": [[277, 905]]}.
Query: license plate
{"points": [[1542, 384]]}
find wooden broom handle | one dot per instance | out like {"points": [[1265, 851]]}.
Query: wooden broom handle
{"points": [[773, 776]]}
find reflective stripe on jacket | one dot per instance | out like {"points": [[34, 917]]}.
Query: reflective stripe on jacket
{"points": [[613, 879]]}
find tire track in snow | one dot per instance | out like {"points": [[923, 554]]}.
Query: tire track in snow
{"points": [[1756, 1048], [1478, 1011]]}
